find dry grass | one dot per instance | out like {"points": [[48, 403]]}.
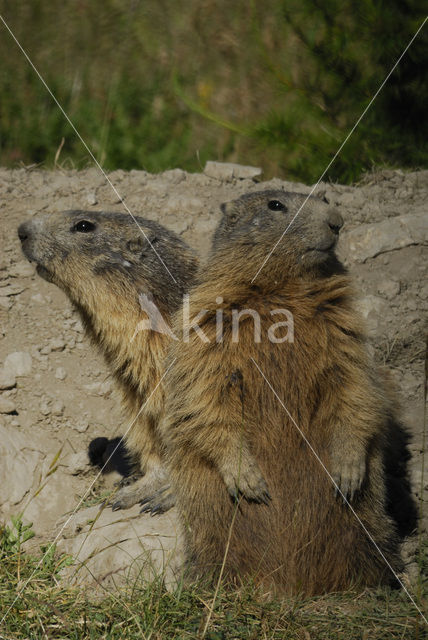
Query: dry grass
{"points": [[48, 608]]}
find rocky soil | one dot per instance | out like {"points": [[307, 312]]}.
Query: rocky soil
{"points": [[55, 390]]}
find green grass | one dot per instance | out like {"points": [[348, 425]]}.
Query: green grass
{"points": [[36, 604], [155, 85]]}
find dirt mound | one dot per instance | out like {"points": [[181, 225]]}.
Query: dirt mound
{"points": [[55, 391]]}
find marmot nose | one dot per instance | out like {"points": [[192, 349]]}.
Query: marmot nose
{"points": [[23, 231], [335, 221]]}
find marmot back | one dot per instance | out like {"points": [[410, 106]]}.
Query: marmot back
{"points": [[117, 270], [267, 421]]}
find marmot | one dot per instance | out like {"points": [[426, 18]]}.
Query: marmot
{"points": [[105, 262], [257, 432]]}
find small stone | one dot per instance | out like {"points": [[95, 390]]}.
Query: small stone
{"points": [[11, 290], [57, 344], [44, 408], [423, 292], [5, 303], [389, 289], [81, 426], [22, 269], [60, 373], [57, 408], [45, 350], [99, 388], [372, 309], [7, 379], [174, 176], [411, 304], [91, 199], [230, 171], [78, 326], [18, 363], [7, 405], [76, 462]]}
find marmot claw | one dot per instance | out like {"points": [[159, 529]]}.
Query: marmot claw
{"points": [[251, 487], [349, 478], [160, 502]]}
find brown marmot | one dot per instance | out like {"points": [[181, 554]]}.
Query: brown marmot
{"points": [[266, 421], [105, 262]]}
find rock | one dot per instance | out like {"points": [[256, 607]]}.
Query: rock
{"points": [[354, 198], [174, 176], [411, 304], [11, 290], [57, 344], [76, 462], [22, 269], [7, 405], [44, 408], [369, 240], [5, 303], [99, 388], [91, 199], [57, 408], [81, 426], [18, 464], [372, 309], [179, 226], [389, 289], [7, 379], [78, 326], [38, 298], [60, 373], [230, 171], [423, 292], [109, 547], [18, 363]]}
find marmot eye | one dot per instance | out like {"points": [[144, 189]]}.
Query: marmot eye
{"points": [[84, 226], [276, 205]]}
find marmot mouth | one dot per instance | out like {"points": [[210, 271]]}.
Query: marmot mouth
{"points": [[323, 249]]}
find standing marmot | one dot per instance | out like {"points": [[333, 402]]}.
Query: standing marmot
{"points": [[231, 433], [104, 263]]}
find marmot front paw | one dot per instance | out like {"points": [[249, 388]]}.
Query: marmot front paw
{"points": [[349, 474], [249, 483], [148, 485], [159, 502]]}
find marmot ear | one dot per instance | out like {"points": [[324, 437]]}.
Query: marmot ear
{"points": [[228, 210], [321, 195]]}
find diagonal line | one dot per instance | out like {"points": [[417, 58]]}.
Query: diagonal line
{"points": [[340, 148], [51, 545], [42, 80], [338, 489]]}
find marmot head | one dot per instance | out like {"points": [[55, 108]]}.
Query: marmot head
{"points": [[256, 222], [94, 254]]}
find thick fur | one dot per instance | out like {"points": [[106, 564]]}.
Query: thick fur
{"points": [[250, 491], [103, 271]]}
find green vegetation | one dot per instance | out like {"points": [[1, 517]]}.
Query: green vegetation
{"points": [[35, 604], [160, 84]]}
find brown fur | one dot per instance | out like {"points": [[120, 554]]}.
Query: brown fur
{"points": [[103, 271], [227, 434]]}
